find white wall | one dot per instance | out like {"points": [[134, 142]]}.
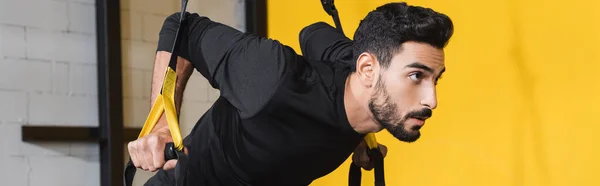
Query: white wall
{"points": [[48, 77]]}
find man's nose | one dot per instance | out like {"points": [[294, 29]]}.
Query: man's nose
{"points": [[430, 99]]}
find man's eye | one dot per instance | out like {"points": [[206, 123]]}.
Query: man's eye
{"points": [[415, 76]]}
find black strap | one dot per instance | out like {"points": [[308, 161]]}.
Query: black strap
{"points": [[129, 173], [176, 45], [355, 174], [175, 48], [329, 7], [170, 151], [377, 157]]}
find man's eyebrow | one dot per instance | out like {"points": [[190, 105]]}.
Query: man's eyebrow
{"points": [[419, 66], [441, 72]]}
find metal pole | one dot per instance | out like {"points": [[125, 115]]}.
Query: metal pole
{"points": [[110, 102]]}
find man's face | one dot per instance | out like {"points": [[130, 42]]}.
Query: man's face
{"points": [[405, 93]]}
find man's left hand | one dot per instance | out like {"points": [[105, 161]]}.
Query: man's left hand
{"points": [[360, 157]]}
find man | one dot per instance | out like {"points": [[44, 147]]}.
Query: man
{"points": [[286, 119]]}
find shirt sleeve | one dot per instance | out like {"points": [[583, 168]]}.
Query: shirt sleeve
{"points": [[322, 42], [247, 69]]}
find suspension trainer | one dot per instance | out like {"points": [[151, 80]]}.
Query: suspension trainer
{"points": [[165, 101], [355, 174]]}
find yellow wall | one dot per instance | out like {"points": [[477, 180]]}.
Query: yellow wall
{"points": [[519, 104]]}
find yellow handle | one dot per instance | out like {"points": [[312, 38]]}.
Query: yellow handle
{"points": [[165, 102], [371, 140]]}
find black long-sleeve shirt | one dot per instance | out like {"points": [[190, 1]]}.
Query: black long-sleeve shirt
{"points": [[280, 118]]}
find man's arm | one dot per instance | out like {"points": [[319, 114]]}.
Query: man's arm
{"points": [[322, 42], [184, 70], [147, 152], [247, 69]]}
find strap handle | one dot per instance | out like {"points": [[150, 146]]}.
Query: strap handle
{"points": [[165, 102]]}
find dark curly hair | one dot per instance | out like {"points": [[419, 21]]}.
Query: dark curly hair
{"points": [[384, 29]]}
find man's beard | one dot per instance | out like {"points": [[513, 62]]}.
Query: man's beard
{"points": [[385, 112]]}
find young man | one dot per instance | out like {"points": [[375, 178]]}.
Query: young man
{"points": [[286, 119]]}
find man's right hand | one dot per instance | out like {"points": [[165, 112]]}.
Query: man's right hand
{"points": [[147, 152]]}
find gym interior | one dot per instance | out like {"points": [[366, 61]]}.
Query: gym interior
{"points": [[518, 104]]}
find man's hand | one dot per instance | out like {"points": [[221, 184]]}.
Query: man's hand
{"points": [[361, 158], [147, 152]]}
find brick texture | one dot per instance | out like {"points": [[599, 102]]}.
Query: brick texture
{"points": [[82, 17], [13, 108], [83, 78], [27, 75], [18, 172], [64, 171], [46, 14], [54, 109], [12, 41], [61, 46]]}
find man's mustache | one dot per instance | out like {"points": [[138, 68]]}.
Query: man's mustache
{"points": [[422, 114]]}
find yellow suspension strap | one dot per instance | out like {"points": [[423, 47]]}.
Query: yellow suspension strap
{"points": [[354, 178], [165, 101]]}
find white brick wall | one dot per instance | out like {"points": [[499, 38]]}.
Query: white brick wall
{"points": [[12, 41], [19, 167], [60, 78], [47, 14], [83, 79], [48, 66], [82, 16], [14, 107], [26, 75], [72, 171], [61, 45], [56, 109]]}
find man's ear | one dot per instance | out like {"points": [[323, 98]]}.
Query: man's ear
{"points": [[366, 68]]}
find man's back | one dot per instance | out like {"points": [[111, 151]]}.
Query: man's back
{"points": [[300, 135]]}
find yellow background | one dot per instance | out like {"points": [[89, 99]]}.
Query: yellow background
{"points": [[517, 106]]}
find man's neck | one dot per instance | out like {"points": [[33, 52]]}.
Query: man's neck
{"points": [[355, 98]]}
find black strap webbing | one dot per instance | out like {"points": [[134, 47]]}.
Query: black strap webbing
{"points": [[355, 174], [329, 7]]}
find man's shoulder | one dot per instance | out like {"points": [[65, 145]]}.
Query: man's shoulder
{"points": [[330, 70], [325, 76]]}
